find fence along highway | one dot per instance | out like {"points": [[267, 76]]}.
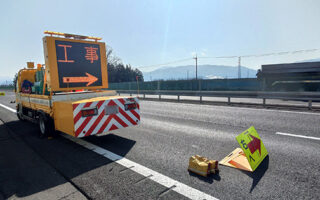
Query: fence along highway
{"points": [[168, 135]]}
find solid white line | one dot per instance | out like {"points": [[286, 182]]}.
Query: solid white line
{"points": [[166, 181], [8, 108], [300, 136]]}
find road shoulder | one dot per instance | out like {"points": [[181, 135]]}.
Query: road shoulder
{"points": [[23, 174]]}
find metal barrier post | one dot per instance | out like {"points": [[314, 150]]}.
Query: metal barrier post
{"points": [[264, 102], [200, 99], [159, 96], [144, 95], [229, 100], [178, 97], [310, 104]]}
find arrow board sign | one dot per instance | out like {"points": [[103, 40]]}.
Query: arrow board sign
{"points": [[251, 154], [75, 64]]}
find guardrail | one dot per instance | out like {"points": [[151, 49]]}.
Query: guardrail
{"points": [[295, 96]]}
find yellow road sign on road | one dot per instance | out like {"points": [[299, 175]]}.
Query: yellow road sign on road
{"points": [[250, 155], [2, 94], [252, 146]]}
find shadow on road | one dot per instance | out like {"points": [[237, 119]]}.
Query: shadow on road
{"points": [[113, 143], [258, 173], [30, 164], [209, 179]]}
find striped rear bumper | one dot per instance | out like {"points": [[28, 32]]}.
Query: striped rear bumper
{"points": [[101, 123]]}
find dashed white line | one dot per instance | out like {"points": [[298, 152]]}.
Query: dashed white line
{"points": [[299, 136], [166, 181]]}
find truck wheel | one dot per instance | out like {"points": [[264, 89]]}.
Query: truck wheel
{"points": [[19, 113], [46, 125]]}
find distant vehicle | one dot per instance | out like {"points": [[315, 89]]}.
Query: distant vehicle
{"points": [[68, 93], [290, 77]]}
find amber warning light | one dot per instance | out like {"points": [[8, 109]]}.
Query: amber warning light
{"points": [[68, 35], [130, 106], [89, 112]]}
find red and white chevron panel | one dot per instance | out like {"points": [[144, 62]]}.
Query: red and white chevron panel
{"points": [[101, 123]]}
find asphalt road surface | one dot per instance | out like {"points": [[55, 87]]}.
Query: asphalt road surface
{"points": [[168, 135]]}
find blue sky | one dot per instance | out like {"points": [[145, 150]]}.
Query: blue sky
{"points": [[144, 33]]}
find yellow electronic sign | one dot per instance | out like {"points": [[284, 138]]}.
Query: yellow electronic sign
{"points": [[75, 64]]}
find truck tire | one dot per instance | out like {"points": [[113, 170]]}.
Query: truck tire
{"points": [[19, 113], [46, 125]]}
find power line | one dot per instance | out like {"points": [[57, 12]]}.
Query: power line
{"points": [[267, 54], [226, 57]]}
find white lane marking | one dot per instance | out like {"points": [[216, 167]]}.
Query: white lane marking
{"points": [[300, 136], [8, 108], [166, 181]]}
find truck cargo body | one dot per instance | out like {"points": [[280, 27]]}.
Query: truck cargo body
{"points": [[84, 114]]}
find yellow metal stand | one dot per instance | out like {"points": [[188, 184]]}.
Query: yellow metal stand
{"points": [[202, 166]]}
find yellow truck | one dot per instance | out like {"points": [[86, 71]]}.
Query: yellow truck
{"points": [[69, 92]]}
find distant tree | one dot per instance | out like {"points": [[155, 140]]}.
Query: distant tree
{"points": [[15, 80], [118, 72]]}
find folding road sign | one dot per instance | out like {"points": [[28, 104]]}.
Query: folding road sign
{"points": [[250, 155]]}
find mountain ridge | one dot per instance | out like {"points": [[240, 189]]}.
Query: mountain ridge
{"points": [[204, 72]]}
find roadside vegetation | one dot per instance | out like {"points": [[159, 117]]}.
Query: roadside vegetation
{"points": [[119, 72]]}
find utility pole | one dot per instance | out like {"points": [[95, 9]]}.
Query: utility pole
{"points": [[187, 74], [196, 58], [239, 67]]}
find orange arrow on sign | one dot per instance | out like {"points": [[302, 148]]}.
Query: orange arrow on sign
{"points": [[89, 79]]}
